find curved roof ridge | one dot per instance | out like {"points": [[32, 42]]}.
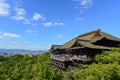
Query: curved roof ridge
{"points": [[98, 30], [109, 36], [69, 44]]}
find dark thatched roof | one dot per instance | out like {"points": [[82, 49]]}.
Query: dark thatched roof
{"points": [[68, 44], [87, 40], [90, 45], [55, 47]]}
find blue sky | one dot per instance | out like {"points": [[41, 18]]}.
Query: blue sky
{"points": [[37, 24]]}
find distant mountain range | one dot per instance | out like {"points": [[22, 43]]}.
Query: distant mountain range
{"points": [[21, 51]]}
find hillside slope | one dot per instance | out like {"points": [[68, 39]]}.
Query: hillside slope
{"points": [[19, 67]]}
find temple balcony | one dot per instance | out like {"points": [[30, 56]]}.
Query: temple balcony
{"points": [[66, 57], [62, 57], [82, 58]]}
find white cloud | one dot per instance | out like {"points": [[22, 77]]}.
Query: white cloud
{"points": [[79, 19], [29, 31], [37, 16], [47, 24], [20, 14], [86, 3], [58, 23], [11, 35], [18, 17], [32, 33], [7, 34], [4, 8], [20, 11], [59, 36]]}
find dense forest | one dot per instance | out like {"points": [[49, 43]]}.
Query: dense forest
{"points": [[25, 67]]}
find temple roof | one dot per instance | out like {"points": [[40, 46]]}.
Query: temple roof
{"points": [[55, 47], [88, 40], [68, 44], [97, 35], [90, 45]]}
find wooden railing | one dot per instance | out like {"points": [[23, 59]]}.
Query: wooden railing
{"points": [[82, 58], [65, 57], [60, 57]]}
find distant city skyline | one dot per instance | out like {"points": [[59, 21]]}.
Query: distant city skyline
{"points": [[37, 24]]}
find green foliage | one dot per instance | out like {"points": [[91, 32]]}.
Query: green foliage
{"points": [[2, 58], [68, 76], [19, 67], [109, 56], [99, 72]]}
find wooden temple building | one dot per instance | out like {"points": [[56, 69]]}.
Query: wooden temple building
{"points": [[82, 49]]}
